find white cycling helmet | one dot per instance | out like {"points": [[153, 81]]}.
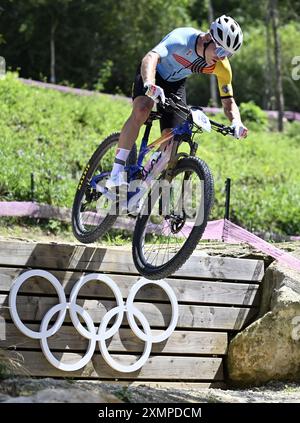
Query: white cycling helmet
{"points": [[227, 33]]}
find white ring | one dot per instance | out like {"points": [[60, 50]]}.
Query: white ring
{"points": [[73, 297], [13, 303], [91, 347], [90, 333], [129, 305], [103, 348]]}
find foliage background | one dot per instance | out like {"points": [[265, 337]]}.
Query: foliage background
{"points": [[99, 43]]}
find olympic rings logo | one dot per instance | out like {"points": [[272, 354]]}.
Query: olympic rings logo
{"points": [[91, 333]]}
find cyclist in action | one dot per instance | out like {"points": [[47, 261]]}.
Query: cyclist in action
{"points": [[163, 71]]}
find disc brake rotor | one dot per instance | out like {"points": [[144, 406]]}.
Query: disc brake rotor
{"points": [[176, 222]]}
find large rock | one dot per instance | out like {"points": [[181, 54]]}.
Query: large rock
{"points": [[269, 349]]}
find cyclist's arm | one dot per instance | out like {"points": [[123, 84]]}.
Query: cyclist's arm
{"points": [[224, 75], [231, 109], [148, 68]]}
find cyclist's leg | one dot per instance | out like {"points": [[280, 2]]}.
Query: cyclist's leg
{"points": [[141, 109], [142, 106]]}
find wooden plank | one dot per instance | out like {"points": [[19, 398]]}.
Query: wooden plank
{"points": [[223, 268], [159, 315], [186, 291], [180, 342], [80, 257], [157, 367]]}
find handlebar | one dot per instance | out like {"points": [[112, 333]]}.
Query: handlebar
{"points": [[173, 103]]}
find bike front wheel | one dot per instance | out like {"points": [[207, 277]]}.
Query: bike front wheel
{"points": [[91, 212], [173, 219]]}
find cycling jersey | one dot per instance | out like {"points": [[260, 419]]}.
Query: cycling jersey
{"points": [[179, 59]]}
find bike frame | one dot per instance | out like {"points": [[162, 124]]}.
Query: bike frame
{"points": [[171, 147], [134, 170]]}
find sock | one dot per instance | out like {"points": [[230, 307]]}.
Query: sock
{"points": [[120, 160]]}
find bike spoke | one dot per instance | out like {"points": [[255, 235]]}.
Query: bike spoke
{"points": [[94, 206], [176, 227]]}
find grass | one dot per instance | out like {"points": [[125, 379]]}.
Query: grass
{"points": [[10, 363]]}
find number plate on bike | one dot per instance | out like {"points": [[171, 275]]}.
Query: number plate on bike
{"points": [[200, 119]]}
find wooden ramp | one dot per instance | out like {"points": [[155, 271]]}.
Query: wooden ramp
{"points": [[217, 297]]}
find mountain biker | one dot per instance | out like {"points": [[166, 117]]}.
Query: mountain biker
{"points": [[164, 70]]}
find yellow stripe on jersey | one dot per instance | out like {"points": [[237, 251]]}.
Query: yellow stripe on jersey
{"points": [[224, 75], [222, 70]]}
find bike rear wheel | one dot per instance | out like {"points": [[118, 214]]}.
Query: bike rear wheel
{"points": [[167, 232], [91, 217]]}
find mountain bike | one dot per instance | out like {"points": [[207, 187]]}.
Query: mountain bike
{"points": [[170, 195]]}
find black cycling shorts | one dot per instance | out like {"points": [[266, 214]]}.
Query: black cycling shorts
{"points": [[169, 119]]}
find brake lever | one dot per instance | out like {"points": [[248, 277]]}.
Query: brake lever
{"points": [[172, 103], [227, 130], [222, 129], [230, 131], [175, 97], [168, 103]]}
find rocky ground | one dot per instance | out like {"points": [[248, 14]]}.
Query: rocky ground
{"points": [[63, 391]]}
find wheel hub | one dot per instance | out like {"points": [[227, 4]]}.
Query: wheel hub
{"points": [[176, 222]]}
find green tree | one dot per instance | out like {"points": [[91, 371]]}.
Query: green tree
{"points": [[130, 29], [70, 40]]}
